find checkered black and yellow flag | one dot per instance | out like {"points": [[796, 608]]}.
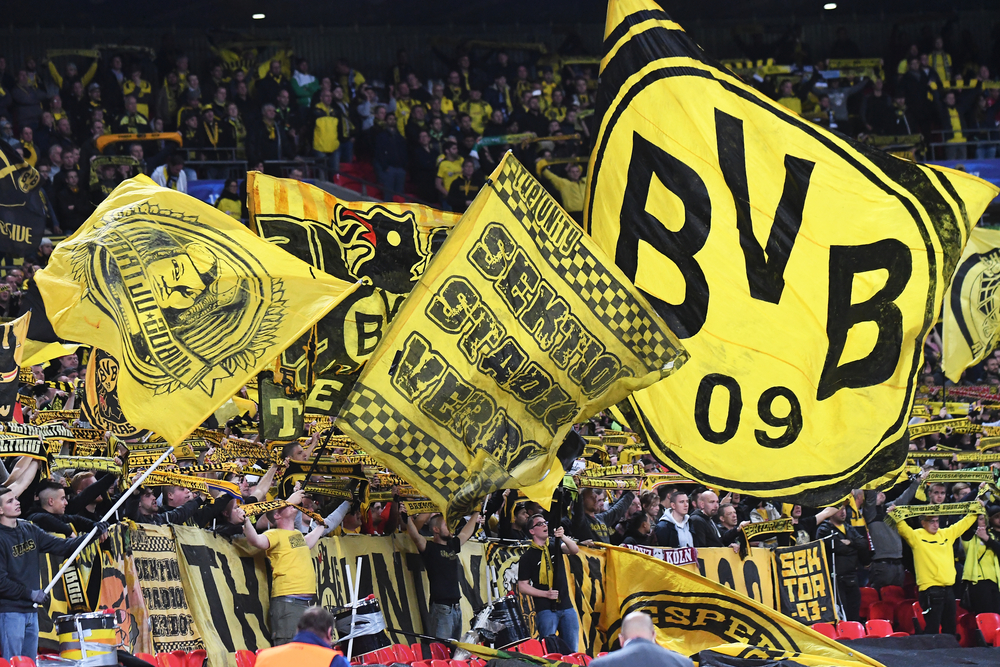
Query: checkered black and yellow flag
{"points": [[801, 270], [519, 328]]}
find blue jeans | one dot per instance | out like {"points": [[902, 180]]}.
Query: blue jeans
{"points": [[986, 152], [547, 621], [346, 150], [392, 180], [19, 634], [331, 161], [445, 621]]}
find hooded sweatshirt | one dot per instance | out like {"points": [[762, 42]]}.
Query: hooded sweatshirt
{"points": [[682, 529], [19, 550]]}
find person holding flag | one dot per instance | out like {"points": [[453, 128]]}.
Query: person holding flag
{"points": [[21, 544]]}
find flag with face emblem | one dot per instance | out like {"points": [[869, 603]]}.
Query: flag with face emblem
{"points": [[972, 306], [389, 244], [22, 204], [12, 336], [187, 300]]}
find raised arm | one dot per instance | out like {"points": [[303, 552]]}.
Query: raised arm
{"points": [[264, 484], [22, 475], [318, 531], [253, 537], [418, 539], [469, 528]]}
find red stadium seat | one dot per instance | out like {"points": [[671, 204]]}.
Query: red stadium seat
{"points": [[421, 663], [403, 653], [869, 596], [904, 617], [884, 610], [531, 647], [439, 651], [553, 656], [386, 655], [196, 658], [245, 658], [892, 594], [878, 627], [576, 659], [850, 630], [168, 660], [418, 651], [4, 663], [988, 625], [825, 629], [477, 662], [440, 663], [968, 633], [22, 661], [371, 659], [151, 659]]}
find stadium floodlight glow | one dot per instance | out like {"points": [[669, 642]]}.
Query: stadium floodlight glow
{"points": [[830, 5], [261, 16]]}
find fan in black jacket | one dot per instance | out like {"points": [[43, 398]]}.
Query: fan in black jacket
{"points": [[847, 551], [141, 507], [50, 512]]}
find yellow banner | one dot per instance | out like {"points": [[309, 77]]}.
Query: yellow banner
{"points": [[971, 327], [693, 614], [188, 300], [800, 270], [519, 328]]}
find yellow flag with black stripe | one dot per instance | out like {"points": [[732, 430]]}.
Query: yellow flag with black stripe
{"points": [[188, 301], [692, 613], [519, 328], [972, 307], [388, 244], [802, 271]]}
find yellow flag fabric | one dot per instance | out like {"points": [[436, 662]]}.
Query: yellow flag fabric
{"points": [[692, 613], [802, 271], [972, 309], [12, 339], [186, 299], [519, 328], [388, 244]]}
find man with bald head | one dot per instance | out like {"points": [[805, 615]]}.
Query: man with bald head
{"points": [[704, 531], [638, 640]]}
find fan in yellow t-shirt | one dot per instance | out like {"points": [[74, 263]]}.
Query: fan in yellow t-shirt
{"points": [[293, 582], [449, 167]]}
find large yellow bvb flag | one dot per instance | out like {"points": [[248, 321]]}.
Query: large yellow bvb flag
{"points": [[189, 301], [518, 329], [801, 270], [971, 308]]}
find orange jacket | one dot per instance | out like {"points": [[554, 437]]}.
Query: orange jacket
{"points": [[300, 655]]}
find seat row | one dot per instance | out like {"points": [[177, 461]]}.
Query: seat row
{"points": [[978, 630]]}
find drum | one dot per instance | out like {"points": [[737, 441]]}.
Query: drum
{"points": [[369, 628], [512, 627], [90, 639]]}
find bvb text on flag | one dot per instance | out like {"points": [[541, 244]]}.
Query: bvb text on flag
{"points": [[801, 270], [519, 328]]}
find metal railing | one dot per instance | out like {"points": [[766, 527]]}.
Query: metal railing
{"points": [[942, 146], [219, 163]]}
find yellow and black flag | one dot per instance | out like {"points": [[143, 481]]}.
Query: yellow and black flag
{"points": [[188, 301], [12, 335], [693, 614], [388, 244], [972, 305], [22, 205], [801, 270], [519, 328]]}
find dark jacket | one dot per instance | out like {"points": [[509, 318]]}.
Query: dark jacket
{"points": [[20, 548], [706, 533], [600, 526], [390, 150], [61, 524], [845, 559], [177, 517]]}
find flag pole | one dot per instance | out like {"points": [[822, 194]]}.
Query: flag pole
{"points": [[93, 531]]}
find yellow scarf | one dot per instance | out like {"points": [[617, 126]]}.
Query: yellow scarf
{"points": [[545, 575]]}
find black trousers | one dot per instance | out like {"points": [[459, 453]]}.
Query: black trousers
{"points": [[849, 592], [984, 596], [938, 603]]}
